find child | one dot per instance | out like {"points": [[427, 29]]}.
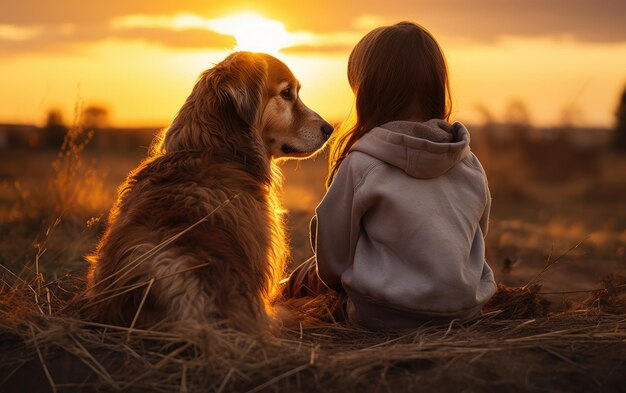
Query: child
{"points": [[401, 229]]}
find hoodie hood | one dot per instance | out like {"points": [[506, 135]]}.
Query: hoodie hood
{"points": [[422, 150]]}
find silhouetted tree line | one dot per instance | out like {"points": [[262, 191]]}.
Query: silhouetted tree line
{"points": [[92, 118]]}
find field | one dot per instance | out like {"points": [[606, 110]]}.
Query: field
{"points": [[557, 234]]}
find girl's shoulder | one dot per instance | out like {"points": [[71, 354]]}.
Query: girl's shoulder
{"points": [[359, 161], [357, 166], [472, 161]]}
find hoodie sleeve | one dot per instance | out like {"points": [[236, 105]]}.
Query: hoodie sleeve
{"points": [[484, 220], [337, 223]]}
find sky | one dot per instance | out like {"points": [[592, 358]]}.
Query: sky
{"points": [[565, 60]]}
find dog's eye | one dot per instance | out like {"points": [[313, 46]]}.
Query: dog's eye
{"points": [[286, 93]]}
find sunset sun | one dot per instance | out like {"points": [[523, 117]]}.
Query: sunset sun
{"points": [[254, 32]]}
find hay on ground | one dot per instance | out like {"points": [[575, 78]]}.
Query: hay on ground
{"points": [[516, 346]]}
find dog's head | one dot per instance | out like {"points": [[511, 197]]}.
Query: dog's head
{"points": [[289, 127], [265, 96]]}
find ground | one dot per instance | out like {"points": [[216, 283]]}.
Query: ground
{"points": [[562, 229]]}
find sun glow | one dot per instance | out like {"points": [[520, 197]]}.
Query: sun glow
{"points": [[256, 33], [253, 32]]}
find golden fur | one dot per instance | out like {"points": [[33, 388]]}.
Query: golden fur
{"points": [[196, 232]]}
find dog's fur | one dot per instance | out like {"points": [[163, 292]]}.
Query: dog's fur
{"points": [[196, 231]]}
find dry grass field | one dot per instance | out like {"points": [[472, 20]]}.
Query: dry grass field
{"points": [[557, 244]]}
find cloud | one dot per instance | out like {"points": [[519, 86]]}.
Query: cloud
{"points": [[323, 26], [15, 40], [367, 22], [192, 38], [315, 49], [175, 22], [255, 28], [584, 20], [244, 31], [38, 12], [476, 20], [335, 42], [17, 33], [251, 31]]}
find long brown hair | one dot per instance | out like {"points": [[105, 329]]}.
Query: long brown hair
{"points": [[396, 72]]}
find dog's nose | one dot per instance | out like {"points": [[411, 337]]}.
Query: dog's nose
{"points": [[327, 129]]}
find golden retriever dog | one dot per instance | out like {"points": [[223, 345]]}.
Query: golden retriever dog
{"points": [[196, 232]]}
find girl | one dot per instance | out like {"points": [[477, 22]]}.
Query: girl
{"points": [[400, 231]]}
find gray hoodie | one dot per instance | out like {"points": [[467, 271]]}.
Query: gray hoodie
{"points": [[402, 227]]}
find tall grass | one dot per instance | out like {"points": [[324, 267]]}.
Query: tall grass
{"points": [[51, 223], [77, 187]]}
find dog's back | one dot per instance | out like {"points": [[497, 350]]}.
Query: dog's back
{"points": [[193, 236]]}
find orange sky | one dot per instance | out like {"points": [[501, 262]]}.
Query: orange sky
{"points": [[140, 58]]}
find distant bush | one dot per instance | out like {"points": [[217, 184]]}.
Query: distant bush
{"points": [[55, 130], [620, 126]]}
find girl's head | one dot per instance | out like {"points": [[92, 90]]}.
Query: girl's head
{"points": [[396, 73]]}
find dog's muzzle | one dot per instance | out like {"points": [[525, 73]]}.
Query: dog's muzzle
{"points": [[289, 149], [327, 129]]}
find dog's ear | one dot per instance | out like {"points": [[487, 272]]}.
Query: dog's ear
{"points": [[239, 80]]}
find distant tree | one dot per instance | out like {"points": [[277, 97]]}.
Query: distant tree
{"points": [[488, 119], [54, 118], [488, 126], [55, 130], [572, 115], [620, 125], [518, 117], [95, 116], [517, 114]]}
